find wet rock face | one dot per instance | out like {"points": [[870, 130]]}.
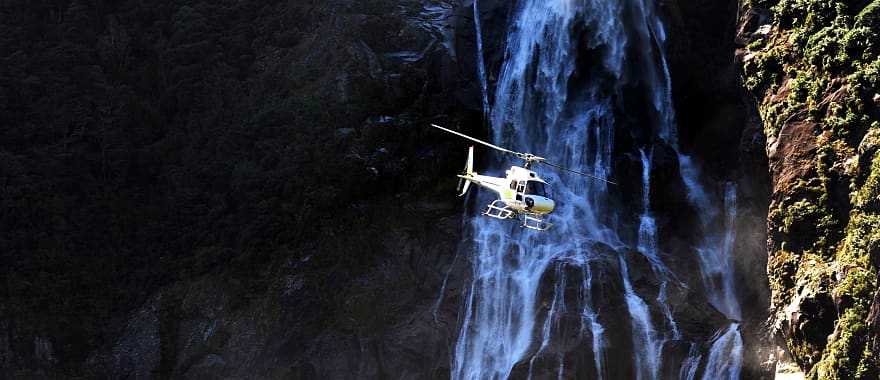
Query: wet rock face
{"points": [[720, 127], [275, 204], [569, 342], [815, 90]]}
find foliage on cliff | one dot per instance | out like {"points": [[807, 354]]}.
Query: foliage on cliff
{"points": [[816, 73]]}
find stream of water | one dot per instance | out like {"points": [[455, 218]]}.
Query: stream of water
{"points": [[547, 101], [481, 61]]}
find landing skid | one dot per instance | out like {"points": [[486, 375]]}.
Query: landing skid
{"points": [[499, 210], [535, 223]]}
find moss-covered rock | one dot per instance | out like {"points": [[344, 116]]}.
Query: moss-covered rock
{"points": [[819, 67]]}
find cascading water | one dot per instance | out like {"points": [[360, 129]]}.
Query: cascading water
{"points": [[481, 61], [691, 364], [715, 253], [717, 268], [648, 243], [531, 104], [725, 356], [647, 344], [716, 260], [590, 322], [647, 224], [543, 104], [555, 306]]}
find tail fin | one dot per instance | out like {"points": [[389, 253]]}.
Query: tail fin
{"points": [[469, 167], [468, 171]]}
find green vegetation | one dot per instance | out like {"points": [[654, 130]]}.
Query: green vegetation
{"points": [[821, 66]]}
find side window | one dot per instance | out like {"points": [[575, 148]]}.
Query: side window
{"points": [[512, 185]]}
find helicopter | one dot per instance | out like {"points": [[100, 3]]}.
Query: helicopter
{"points": [[522, 194]]}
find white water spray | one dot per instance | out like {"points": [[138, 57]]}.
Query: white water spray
{"points": [[481, 63], [533, 111], [725, 356], [590, 321], [691, 364], [647, 244], [647, 345], [716, 253], [537, 109]]}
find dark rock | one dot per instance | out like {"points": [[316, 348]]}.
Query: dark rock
{"points": [[248, 190]]}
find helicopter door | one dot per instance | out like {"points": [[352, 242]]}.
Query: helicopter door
{"points": [[520, 190]]}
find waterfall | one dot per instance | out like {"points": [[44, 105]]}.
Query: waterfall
{"points": [[481, 64], [725, 356], [590, 321], [442, 292], [717, 269], [648, 242], [695, 192], [691, 364], [724, 267], [540, 29], [731, 302], [647, 224], [646, 343], [557, 303], [715, 253], [533, 111], [546, 102]]}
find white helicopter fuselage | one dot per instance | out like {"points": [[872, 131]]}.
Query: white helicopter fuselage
{"points": [[521, 190]]}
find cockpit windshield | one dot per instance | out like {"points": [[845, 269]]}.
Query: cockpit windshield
{"points": [[536, 188]]}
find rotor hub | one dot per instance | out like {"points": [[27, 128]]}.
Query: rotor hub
{"points": [[529, 159]]}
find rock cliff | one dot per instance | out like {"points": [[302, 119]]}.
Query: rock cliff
{"points": [[812, 67], [228, 189], [245, 189]]}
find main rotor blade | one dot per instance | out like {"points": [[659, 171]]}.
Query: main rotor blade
{"points": [[560, 167], [526, 156], [478, 141]]}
